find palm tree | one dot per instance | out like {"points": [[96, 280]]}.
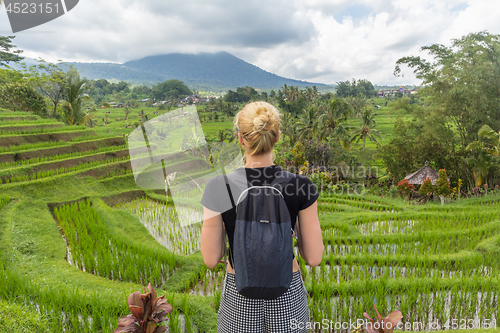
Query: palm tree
{"points": [[366, 129], [331, 123], [357, 103], [485, 132], [74, 98], [144, 117], [308, 123], [89, 119], [127, 111], [225, 134], [483, 167], [289, 128], [221, 105]]}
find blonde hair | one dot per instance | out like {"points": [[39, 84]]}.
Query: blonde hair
{"points": [[259, 125]]}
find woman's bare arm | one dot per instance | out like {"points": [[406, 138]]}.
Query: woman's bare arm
{"points": [[212, 238], [309, 233]]}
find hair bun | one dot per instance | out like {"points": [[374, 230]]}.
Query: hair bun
{"points": [[262, 117]]}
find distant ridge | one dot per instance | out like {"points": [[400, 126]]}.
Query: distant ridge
{"points": [[202, 71]]}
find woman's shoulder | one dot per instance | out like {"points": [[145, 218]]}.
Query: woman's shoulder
{"points": [[299, 179], [302, 189], [214, 182]]}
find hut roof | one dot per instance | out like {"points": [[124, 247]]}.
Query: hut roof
{"points": [[418, 177]]}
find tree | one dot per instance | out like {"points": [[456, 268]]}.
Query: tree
{"points": [[426, 137], [355, 88], [405, 104], [127, 112], [331, 123], [9, 75], [492, 147], [225, 134], [308, 123], [289, 128], [89, 119], [358, 103], [221, 105], [366, 128], [50, 80], [483, 166], [169, 89], [144, 117], [6, 53], [462, 81], [73, 98], [21, 96], [291, 99]]}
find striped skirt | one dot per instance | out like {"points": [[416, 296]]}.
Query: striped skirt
{"points": [[238, 314]]}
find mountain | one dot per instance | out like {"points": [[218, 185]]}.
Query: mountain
{"points": [[118, 72], [203, 71]]}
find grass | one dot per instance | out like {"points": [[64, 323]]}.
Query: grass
{"points": [[456, 238], [21, 318]]}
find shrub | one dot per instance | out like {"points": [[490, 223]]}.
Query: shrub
{"points": [[148, 313], [318, 153], [442, 185], [426, 189], [405, 188]]}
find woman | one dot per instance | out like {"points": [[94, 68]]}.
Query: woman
{"points": [[258, 127]]}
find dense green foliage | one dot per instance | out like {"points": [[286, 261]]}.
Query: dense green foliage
{"points": [[50, 80], [460, 85], [242, 94], [355, 88], [427, 137], [462, 81], [22, 97], [170, 89]]}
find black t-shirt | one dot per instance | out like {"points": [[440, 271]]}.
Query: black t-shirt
{"points": [[299, 194]]}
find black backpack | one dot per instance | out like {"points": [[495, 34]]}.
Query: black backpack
{"points": [[262, 247]]}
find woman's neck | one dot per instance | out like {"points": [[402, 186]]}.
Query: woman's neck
{"points": [[259, 161]]}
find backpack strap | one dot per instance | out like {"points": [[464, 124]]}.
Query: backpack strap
{"points": [[279, 182], [239, 179], [229, 191], [225, 233]]}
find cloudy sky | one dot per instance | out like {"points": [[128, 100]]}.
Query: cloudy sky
{"points": [[316, 40]]}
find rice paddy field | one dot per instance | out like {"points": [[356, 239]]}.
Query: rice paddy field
{"points": [[77, 236]]}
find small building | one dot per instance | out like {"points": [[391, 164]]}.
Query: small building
{"points": [[418, 177]]}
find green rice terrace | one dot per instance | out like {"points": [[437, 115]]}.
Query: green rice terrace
{"points": [[77, 236]]}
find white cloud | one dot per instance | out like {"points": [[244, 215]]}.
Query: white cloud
{"points": [[317, 40]]}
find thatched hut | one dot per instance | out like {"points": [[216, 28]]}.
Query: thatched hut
{"points": [[418, 177]]}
